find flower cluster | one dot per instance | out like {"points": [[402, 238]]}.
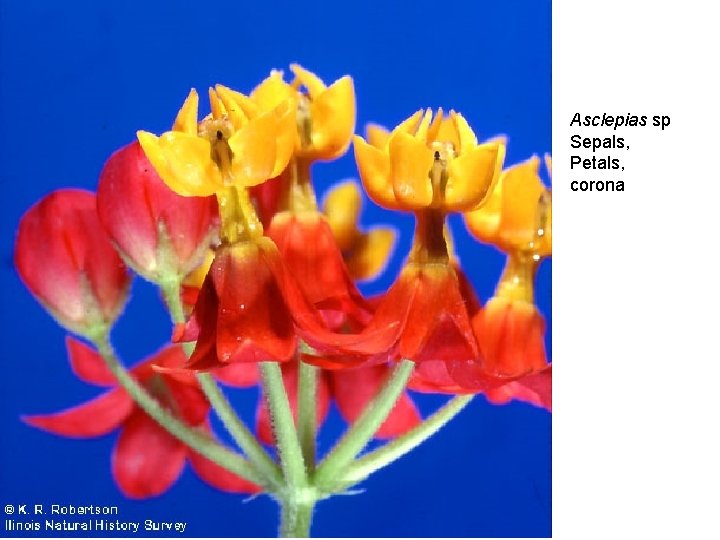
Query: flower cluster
{"points": [[220, 211]]}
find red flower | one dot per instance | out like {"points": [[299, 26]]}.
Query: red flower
{"points": [[66, 260], [147, 460], [428, 309], [250, 309], [242, 312], [351, 389], [311, 254], [159, 233]]}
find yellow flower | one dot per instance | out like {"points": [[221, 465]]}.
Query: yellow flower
{"points": [[324, 115], [232, 146], [366, 253], [518, 215], [428, 162]]}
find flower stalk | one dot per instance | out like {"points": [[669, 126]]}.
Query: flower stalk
{"points": [[395, 449], [360, 433], [307, 416]]}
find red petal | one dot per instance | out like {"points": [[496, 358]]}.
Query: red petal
{"points": [[290, 380], [220, 478], [133, 201], [59, 241], [472, 302], [430, 315], [535, 389], [147, 460], [310, 325], [253, 321], [188, 402], [91, 419], [511, 335], [216, 476], [354, 388], [309, 250], [239, 374], [433, 376], [87, 363]]}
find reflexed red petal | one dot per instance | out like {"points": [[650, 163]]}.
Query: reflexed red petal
{"points": [[290, 380], [187, 401], [511, 335], [335, 362], [353, 389], [311, 327], [433, 377], [147, 460], [239, 374], [311, 254], [535, 389], [87, 363], [91, 419], [252, 308], [430, 314], [467, 292], [61, 249], [220, 478], [133, 201], [471, 376]]}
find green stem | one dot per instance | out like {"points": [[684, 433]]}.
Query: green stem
{"points": [[237, 429], [195, 439], [385, 455], [307, 411], [360, 433], [283, 426], [244, 438], [295, 519]]}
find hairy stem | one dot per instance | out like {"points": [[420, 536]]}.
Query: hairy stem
{"points": [[295, 518], [360, 433], [283, 426], [307, 411], [397, 448]]}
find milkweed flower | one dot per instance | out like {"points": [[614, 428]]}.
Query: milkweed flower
{"points": [[146, 460], [227, 149], [249, 307], [518, 220], [324, 121], [325, 115], [161, 235], [430, 166], [68, 263]]}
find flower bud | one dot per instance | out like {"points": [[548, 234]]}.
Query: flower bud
{"points": [[65, 258], [161, 235]]}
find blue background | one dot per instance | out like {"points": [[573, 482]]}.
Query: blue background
{"points": [[79, 78]]}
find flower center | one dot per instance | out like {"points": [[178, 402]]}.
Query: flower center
{"points": [[444, 154], [217, 131], [238, 218]]}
